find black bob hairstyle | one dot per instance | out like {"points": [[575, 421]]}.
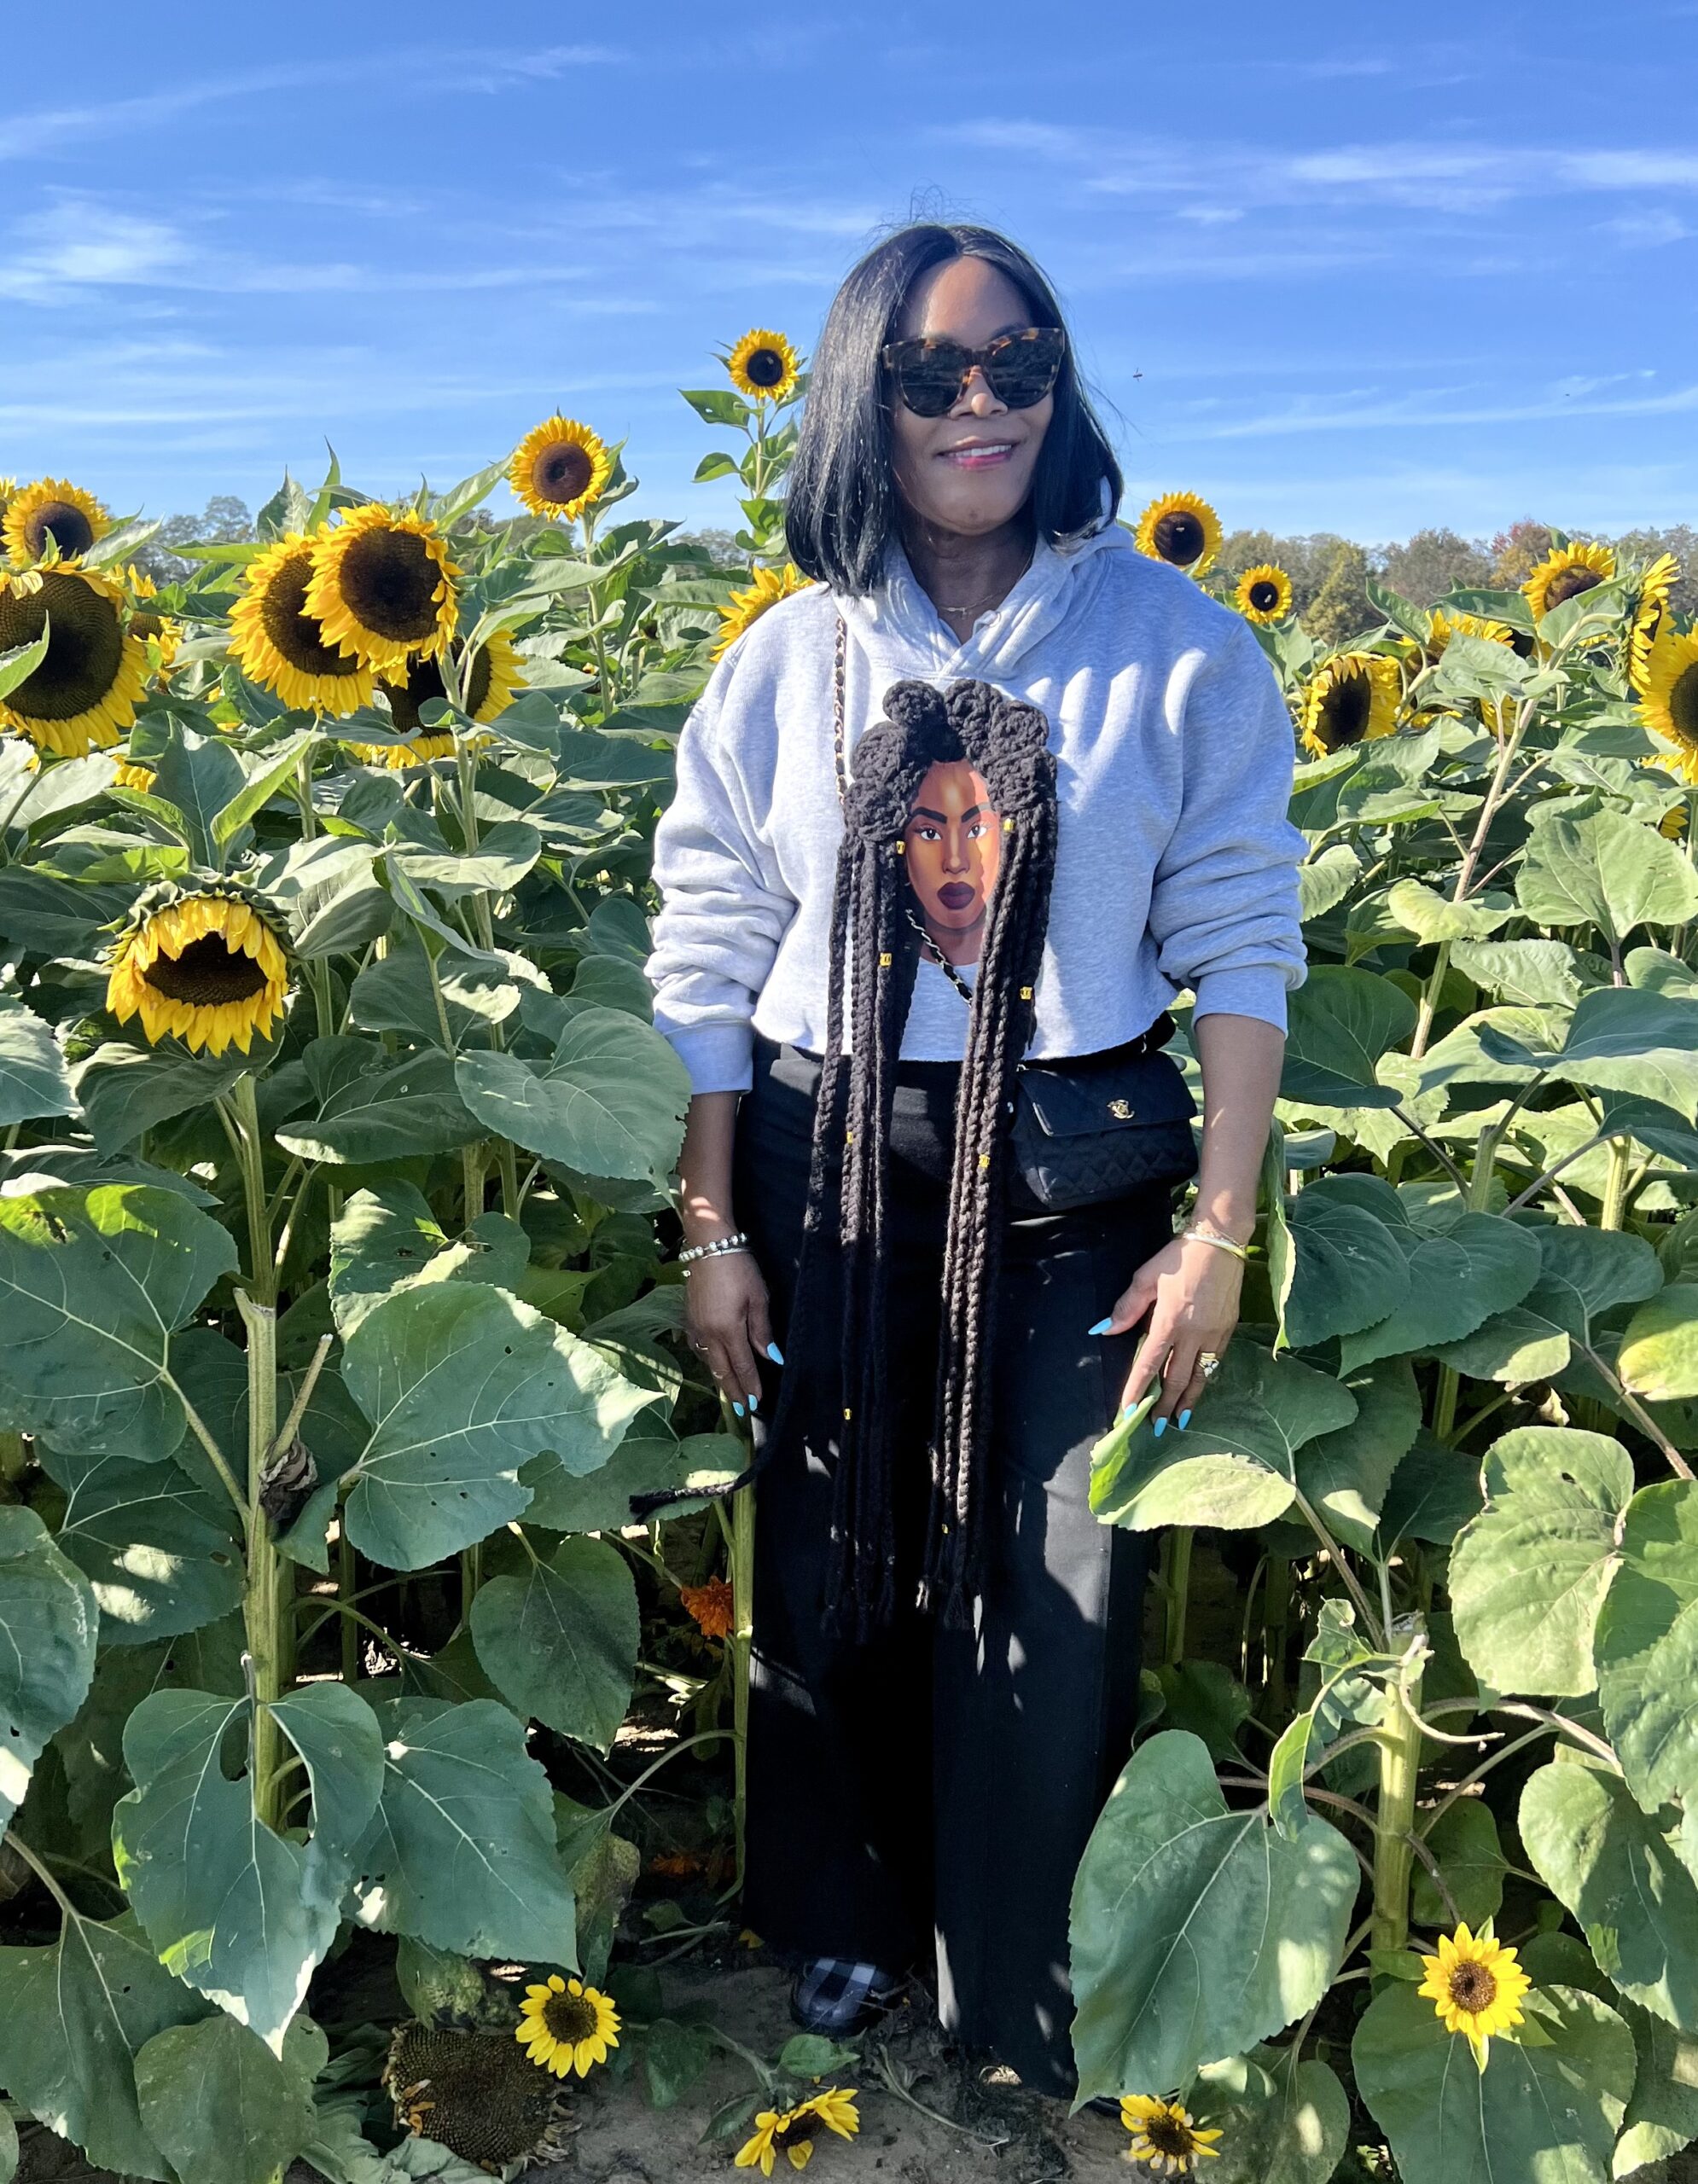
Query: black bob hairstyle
{"points": [[841, 515]]}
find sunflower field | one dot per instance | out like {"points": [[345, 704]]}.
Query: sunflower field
{"points": [[342, 1327]]}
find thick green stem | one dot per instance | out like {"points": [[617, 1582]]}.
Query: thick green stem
{"points": [[262, 1271], [1175, 1581], [1429, 1001], [1615, 1183], [270, 1606], [1394, 1820]]}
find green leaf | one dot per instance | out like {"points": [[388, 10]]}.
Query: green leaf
{"points": [[674, 2057], [1659, 1353], [1464, 1841], [1605, 870], [278, 765], [1431, 916], [1618, 1871], [1583, 1272], [1325, 880], [1234, 1465], [372, 1107], [72, 2019], [1348, 1270], [1662, 2117], [335, 1733], [1646, 1645], [504, 854], [18, 663], [161, 1553], [1546, 2109], [602, 1870], [395, 994], [93, 1285], [1529, 1575], [1527, 971], [1433, 1494], [1339, 1023], [1207, 1700], [461, 1853], [1276, 2125], [1344, 1474], [222, 2107], [126, 1090], [1457, 1277], [1170, 1884], [716, 405], [34, 1079], [1619, 1039], [48, 1622], [609, 1101], [719, 464], [559, 1640], [9, 2146], [644, 1462], [199, 776], [386, 1240], [462, 1383]]}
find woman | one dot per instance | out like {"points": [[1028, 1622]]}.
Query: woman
{"points": [[961, 819]]}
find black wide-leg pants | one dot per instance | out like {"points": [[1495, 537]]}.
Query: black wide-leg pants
{"points": [[933, 1790]]}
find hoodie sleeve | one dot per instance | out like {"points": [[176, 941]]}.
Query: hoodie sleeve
{"points": [[725, 907], [1223, 908]]}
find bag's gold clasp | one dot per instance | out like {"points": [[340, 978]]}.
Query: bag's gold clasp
{"points": [[1121, 1110]]}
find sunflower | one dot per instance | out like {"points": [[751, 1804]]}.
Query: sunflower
{"points": [[1352, 698], [769, 586], [1475, 1987], [204, 961], [1649, 611], [1673, 824], [792, 2131], [1564, 572], [710, 1607], [1668, 705], [281, 647], [565, 2026], [132, 774], [1163, 2135], [496, 672], [1179, 528], [382, 586], [85, 691], [1442, 627], [763, 366], [471, 2092], [1263, 594], [560, 469], [9, 487], [52, 512]]}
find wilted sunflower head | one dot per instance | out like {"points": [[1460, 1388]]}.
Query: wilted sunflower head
{"points": [[52, 513], [1180, 529], [763, 366], [769, 587], [1442, 627], [1263, 594], [1668, 705], [382, 586], [560, 469], [1650, 611], [280, 646], [1352, 698], [85, 692], [202, 961], [471, 2092], [1564, 572]]}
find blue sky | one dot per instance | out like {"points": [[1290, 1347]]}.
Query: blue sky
{"points": [[1334, 275]]}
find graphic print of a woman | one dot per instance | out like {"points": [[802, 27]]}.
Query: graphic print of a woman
{"points": [[953, 847]]}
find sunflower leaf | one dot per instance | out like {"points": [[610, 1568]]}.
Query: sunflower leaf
{"points": [[222, 2107], [33, 1079], [559, 1640], [199, 776], [1277, 2126], [1340, 1022], [160, 1552], [1646, 1645], [1606, 869], [610, 1101], [48, 1622]]}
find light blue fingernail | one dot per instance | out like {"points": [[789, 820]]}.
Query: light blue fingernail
{"points": [[754, 1404], [1184, 1420], [738, 1407], [1127, 1412], [1160, 1427], [1101, 1328], [774, 1353]]}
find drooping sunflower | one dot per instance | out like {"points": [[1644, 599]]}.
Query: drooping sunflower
{"points": [[1442, 627], [203, 961], [792, 2131], [712, 1607], [1650, 610], [471, 2092], [382, 586], [769, 587], [85, 692], [763, 366], [1163, 2135], [1564, 572], [1352, 698], [281, 647], [495, 674], [565, 2026], [1668, 704], [1475, 1987], [52, 512], [560, 469], [1181, 529], [1263, 594], [1673, 824]]}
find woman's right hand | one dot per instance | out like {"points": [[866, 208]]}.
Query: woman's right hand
{"points": [[726, 1318]]}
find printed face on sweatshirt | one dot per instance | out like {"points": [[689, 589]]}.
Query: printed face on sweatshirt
{"points": [[954, 850]]}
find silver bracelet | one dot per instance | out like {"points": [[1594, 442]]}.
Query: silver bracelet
{"points": [[1197, 1234], [737, 1242]]}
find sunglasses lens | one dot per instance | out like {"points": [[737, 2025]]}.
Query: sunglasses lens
{"points": [[1023, 373], [930, 376]]}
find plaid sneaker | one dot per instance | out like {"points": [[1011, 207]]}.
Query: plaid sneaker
{"points": [[832, 1995]]}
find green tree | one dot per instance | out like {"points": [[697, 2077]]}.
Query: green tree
{"points": [[1425, 567], [1341, 610]]}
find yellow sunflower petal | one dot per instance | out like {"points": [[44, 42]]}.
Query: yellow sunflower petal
{"points": [[560, 468], [1182, 530], [764, 367], [51, 513], [382, 587]]}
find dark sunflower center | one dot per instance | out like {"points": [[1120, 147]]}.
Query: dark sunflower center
{"points": [[797, 2131], [296, 634], [83, 654], [1683, 707], [1473, 1988], [390, 581], [1168, 2136], [424, 682], [68, 528], [1264, 595], [1179, 537], [207, 975], [560, 472], [473, 2093], [1346, 712], [1569, 583], [570, 2017], [764, 367]]}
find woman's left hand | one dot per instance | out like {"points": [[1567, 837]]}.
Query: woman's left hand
{"points": [[1190, 1291]]}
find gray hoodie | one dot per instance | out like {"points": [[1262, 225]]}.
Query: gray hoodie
{"points": [[1176, 865]]}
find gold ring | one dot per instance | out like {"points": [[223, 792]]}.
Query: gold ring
{"points": [[1208, 1364]]}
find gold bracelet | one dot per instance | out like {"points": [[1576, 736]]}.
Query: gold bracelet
{"points": [[1202, 1235]]}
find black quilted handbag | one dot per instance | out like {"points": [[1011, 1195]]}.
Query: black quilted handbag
{"points": [[1100, 1127]]}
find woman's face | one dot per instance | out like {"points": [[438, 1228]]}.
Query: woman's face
{"points": [[954, 848], [970, 470]]}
